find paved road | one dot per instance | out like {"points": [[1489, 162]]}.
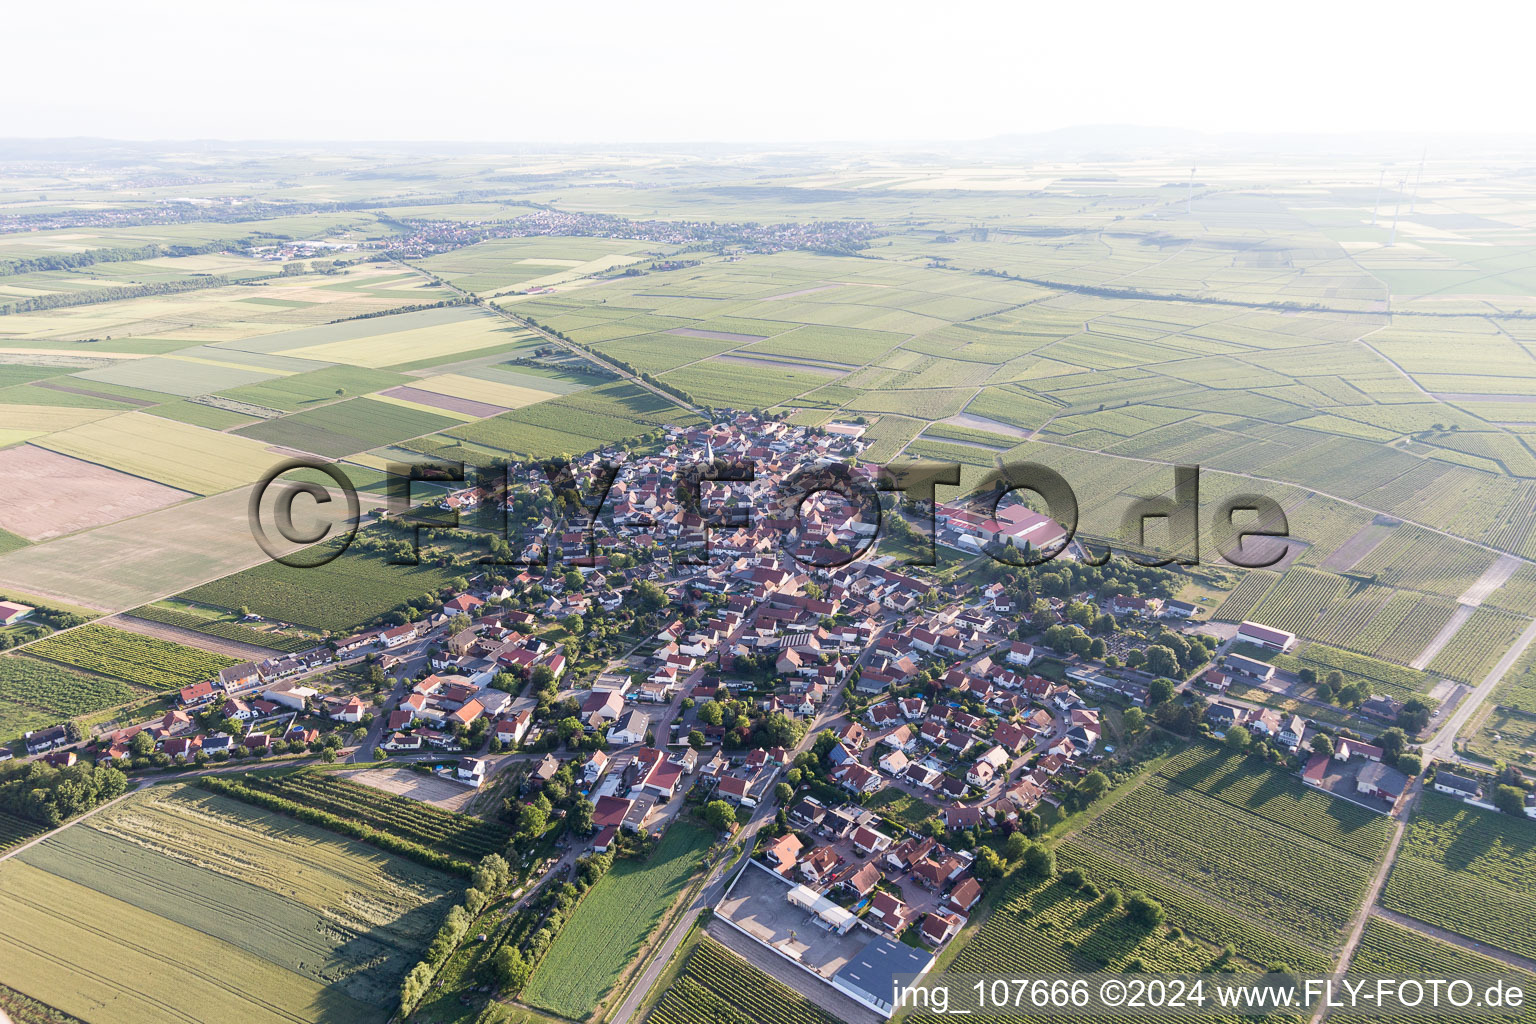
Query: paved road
{"points": [[1444, 742], [711, 893], [590, 357]]}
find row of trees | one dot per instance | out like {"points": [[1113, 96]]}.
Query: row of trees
{"points": [[490, 877]]}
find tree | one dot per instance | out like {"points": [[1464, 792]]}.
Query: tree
{"points": [[414, 985], [1322, 743], [1392, 742], [711, 713], [533, 819], [1409, 764], [1161, 661], [1159, 691], [1016, 847], [782, 792], [580, 818], [1093, 785], [1143, 911], [988, 866], [720, 815], [512, 969], [142, 744], [1135, 720], [1509, 799], [696, 740], [1238, 738], [1038, 861]]}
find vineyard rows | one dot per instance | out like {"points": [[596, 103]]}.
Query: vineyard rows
{"points": [[1245, 596], [1234, 779], [1392, 950], [1295, 602], [145, 660], [14, 831], [59, 690], [1269, 871], [1468, 870], [223, 629], [1193, 914], [457, 835], [1478, 644], [1417, 630], [718, 988], [1042, 928]]}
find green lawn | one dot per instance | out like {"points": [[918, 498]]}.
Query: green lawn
{"points": [[612, 923]]}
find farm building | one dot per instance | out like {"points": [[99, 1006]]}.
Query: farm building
{"points": [[1249, 668], [1376, 779], [1265, 636], [12, 613], [1457, 785]]}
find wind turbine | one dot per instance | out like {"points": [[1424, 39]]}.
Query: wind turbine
{"points": [[1418, 180], [1395, 207], [1379, 180]]}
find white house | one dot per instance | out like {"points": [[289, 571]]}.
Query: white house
{"points": [[631, 729]]}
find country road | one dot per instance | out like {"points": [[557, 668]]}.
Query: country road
{"points": [[590, 357]]}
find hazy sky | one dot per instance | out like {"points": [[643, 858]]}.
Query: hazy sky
{"points": [[829, 70]]}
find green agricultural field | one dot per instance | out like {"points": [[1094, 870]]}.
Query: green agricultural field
{"points": [[347, 427], [1469, 871], [612, 922], [145, 661], [415, 346], [339, 596], [300, 390], [173, 905], [571, 424], [222, 625], [718, 987], [34, 692], [730, 384], [174, 376]]}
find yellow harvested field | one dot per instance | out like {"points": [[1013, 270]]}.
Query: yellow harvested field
{"points": [[178, 454], [509, 396], [421, 407], [436, 342], [36, 420], [229, 365]]}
